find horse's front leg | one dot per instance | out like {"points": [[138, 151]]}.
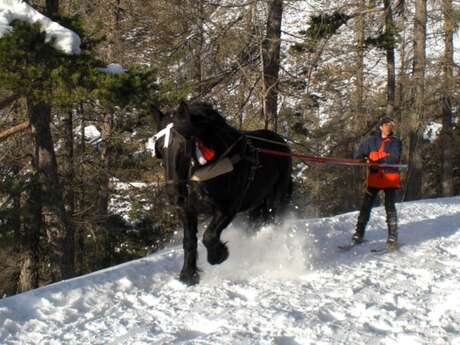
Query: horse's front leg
{"points": [[217, 251], [189, 273]]}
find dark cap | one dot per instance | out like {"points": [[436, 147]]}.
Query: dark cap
{"points": [[385, 119]]}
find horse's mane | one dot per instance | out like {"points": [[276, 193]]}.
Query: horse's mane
{"points": [[206, 118]]}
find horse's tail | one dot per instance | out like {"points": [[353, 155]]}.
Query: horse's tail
{"points": [[284, 190], [290, 190], [286, 198]]}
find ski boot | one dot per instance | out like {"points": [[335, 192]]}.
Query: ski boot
{"points": [[392, 241], [358, 236]]}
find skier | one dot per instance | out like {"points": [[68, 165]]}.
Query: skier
{"points": [[384, 148]]}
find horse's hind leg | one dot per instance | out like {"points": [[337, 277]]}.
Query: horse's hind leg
{"points": [[217, 251], [261, 215]]}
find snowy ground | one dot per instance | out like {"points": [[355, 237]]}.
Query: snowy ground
{"points": [[284, 286]]}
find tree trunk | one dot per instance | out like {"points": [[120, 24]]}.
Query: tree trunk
{"points": [[359, 116], [414, 178], [271, 48], [359, 83], [390, 55], [16, 216], [360, 121], [45, 160], [33, 225], [197, 68], [69, 176], [106, 126], [401, 105], [114, 51], [52, 8], [447, 91], [79, 255]]}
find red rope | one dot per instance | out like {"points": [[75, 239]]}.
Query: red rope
{"points": [[329, 160]]}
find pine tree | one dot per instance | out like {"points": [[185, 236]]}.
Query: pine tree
{"points": [[48, 79]]}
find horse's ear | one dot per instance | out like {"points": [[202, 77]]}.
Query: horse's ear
{"points": [[157, 115], [183, 111], [182, 120]]}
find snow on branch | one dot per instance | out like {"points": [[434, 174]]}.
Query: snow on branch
{"points": [[64, 39], [112, 68]]}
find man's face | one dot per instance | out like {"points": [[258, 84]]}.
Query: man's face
{"points": [[387, 128]]}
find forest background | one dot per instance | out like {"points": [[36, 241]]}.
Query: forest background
{"points": [[80, 192]]}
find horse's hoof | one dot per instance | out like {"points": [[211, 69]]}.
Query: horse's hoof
{"points": [[217, 254], [189, 279]]}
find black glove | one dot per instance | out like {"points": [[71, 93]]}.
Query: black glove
{"points": [[373, 169]]}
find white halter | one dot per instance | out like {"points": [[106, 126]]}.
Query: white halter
{"points": [[165, 132]]}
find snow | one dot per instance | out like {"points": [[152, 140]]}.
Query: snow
{"points": [[284, 285], [65, 40], [432, 131], [121, 202], [91, 133], [113, 68]]}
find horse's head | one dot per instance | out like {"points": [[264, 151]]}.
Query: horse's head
{"points": [[174, 145]]}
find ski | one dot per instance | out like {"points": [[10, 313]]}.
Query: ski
{"points": [[385, 250], [349, 246]]}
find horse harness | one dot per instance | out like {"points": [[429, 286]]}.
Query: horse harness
{"points": [[248, 152]]}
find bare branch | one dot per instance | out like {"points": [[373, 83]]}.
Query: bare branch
{"points": [[13, 130], [8, 100]]}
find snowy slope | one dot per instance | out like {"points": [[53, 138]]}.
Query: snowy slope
{"points": [[286, 286]]}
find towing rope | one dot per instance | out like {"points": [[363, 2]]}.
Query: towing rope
{"points": [[320, 159], [331, 160]]}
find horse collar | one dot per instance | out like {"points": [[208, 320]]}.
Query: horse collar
{"points": [[165, 132]]}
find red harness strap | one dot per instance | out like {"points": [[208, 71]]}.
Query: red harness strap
{"points": [[206, 152]]}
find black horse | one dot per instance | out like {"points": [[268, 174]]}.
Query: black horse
{"points": [[259, 183]]}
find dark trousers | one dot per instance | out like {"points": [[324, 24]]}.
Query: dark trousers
{"points": [[390, 208]]}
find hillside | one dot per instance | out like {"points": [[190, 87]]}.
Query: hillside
{"points": [[285, 285]]}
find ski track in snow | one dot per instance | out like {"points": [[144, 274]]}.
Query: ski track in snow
{"points": [[285, 285]]}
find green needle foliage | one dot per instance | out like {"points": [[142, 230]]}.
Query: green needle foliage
{"points": [[385, 40], [32, 67], [321, 27], [324, 26]]}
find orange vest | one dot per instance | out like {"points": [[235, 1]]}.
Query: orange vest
{"points": [[379, 178]]}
